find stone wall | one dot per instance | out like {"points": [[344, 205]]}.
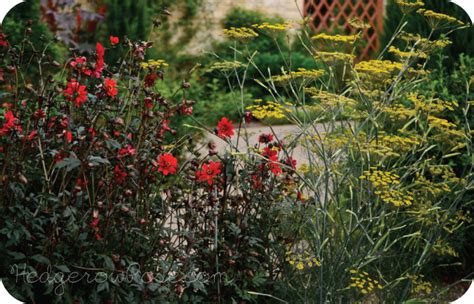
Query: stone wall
{"points": [[288, 9]]}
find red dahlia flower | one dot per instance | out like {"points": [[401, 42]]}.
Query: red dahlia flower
{"points": [[110, 87], [119, 175], [167, 164], [274, 167], [75, 92], [128, 150], [100, 63], [209, 172], [265, 138], [10, 124], [150, 79], [80, 65], [186, 109], [225, 129], [270, 153], [68, 136], [291, 162], [114, 40]]}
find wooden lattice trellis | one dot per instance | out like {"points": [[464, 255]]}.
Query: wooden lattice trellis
{"points": [[333, 15]]}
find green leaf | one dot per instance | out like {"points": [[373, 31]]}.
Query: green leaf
{"points": [[41, 259], [63, 268], [69, 163], [112, 143], [17, 255], [96, 160]]}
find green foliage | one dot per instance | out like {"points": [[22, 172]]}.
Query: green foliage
{"points": [[463, 40], [213, 103], [23, 25], [129, 18], [274, 53]]}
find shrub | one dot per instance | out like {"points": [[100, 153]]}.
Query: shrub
{"points": [[103, 202]]}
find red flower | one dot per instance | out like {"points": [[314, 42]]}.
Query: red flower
{"points": [[150, 79], [40, 113], [209, 172], [10, 124], [274, 167], [80, 65], [110, 87], [114, 40], [257, 181], [186, 109], [75, 92], [95, 222], [248, 117], [148, 103], [68, 136], [300, 197], [3, 41], [119, 175], [32, 135], [99, 64], [167, 164], [273, 164], [225, 128], [128, 150], [165, 127], [270, 153], [92, 132], [291, 162], [265, 138]]}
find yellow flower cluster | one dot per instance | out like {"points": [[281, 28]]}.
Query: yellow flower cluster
{"points": [[361, 281], [326, 97], [301, 73], [225, 66], [331, 58], [436, 105], [328, 101], [399, 112], [154, 64], [391, 145], [439, 20], [419, 285], [424, 44], [407, 55], [359, 24], [384, 184], [407, 6], [269, 109], [273, 26], [442, 248], [378, 67], [240, 33], [350, 39], [335, 140], [302, 260], [439, 123], [428, 188]]}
